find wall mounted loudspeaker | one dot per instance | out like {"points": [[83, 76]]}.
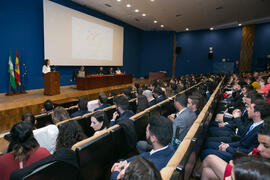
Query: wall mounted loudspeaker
{"points": [[178, 50], [210, 54]]}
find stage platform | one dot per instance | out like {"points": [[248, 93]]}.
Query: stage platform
{"points": [[13, 107]]}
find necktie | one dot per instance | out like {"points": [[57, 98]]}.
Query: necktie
{"points": [[250, 128]]}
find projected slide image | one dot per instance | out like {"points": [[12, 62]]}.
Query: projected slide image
{"points": [[91, 41]]}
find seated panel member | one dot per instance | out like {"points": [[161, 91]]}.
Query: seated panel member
{"points": [[101, 71], [81, 72]]}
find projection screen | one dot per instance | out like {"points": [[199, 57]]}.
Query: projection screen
{"points": [[72, 38]]}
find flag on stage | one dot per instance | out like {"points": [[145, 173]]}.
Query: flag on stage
{"points": [[17, 70], [11, 72]]}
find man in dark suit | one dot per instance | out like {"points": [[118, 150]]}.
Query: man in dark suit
{"points": [[102, 98], [182, 121], [158, 133], [122, 111], [158, 94], [82, 106], [256, 111], [101, 71]]}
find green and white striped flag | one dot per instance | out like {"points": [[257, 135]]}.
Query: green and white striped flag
{"points": [[11, 72]]}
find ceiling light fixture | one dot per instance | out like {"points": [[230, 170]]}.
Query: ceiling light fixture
{"points": [[152, 0], [136, 10], [187, 29], [118, 0], [128, 5], [239, 24], [211, 29], [143, 14], [162, 25], [155, 21]]}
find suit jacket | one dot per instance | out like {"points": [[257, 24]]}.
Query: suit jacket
{"points": [[247, 142], [153, 102], [160, 99], [79, 113], [102, 106], [182, 123], [159, 159], [125, 115]]}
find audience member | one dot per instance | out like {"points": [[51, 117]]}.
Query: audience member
{"points": [[59, 114], [182, 121], [82, 106], [213, 166], [158, 134], [193, 104], [251, 168], [29, 117], [24, 148], [99, 121], [257, 111], [142, 103], [159, 95], [148, 94], [139, 169], [102, 100], [47, 135], [122, 111], [69, 134], [48, 107]]}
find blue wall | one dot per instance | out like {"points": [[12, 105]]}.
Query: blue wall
{"points": [[261, 42], [144, 51], [156, 52], [195, 48], [22, 29]]}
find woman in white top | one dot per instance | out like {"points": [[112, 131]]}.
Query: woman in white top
{"points": [[118, 71], [81, 72], [46, 67]]}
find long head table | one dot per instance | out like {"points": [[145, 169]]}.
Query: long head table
{"points": [[100, 81]]}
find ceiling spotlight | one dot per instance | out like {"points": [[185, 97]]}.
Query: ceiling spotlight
{"points": [[136, 10], [239, 24], [211, 29], [152, 0], [128, 5], [162, 25], [155, 21], [118, 0], [143, 14], [187, 29]]}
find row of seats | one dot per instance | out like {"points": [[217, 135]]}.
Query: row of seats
{"points": [[97, 154], [183, 161]]}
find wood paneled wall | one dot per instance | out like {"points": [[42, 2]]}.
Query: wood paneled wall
{"points": [[247, 43]]}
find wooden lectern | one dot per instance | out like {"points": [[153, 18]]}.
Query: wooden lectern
{"points": [[52, 83]]}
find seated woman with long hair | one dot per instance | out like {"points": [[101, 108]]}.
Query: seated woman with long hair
{"points": [[69, 134], [24, 148], [99, 122]]}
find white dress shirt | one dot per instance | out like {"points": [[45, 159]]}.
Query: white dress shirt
{"points": [[46, 137], [46, 69]]}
